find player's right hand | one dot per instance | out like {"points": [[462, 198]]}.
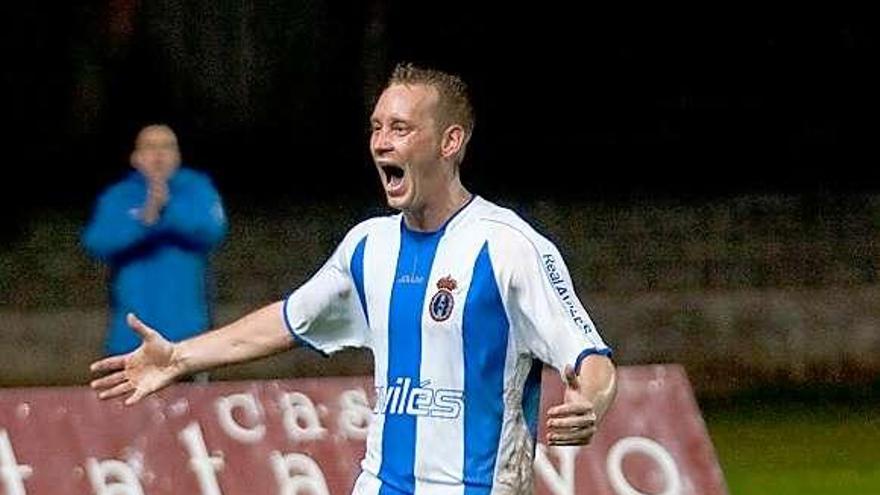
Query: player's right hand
{"points": [[145, 370]]}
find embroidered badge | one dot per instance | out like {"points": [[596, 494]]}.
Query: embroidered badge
{"points": [[443, 301]]}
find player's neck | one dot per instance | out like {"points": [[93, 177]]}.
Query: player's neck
{"points": [[433, 215]]}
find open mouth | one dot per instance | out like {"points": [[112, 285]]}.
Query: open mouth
{"points": [[393, 175]]}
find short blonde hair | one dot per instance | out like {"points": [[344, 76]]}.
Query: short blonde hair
{"points": [[453, 105]]}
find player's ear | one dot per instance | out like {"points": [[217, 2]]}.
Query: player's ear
{"points": [[452, 140], [134, 159]]}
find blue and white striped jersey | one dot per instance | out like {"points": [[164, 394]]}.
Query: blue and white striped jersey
{"points": [[459, 321]]}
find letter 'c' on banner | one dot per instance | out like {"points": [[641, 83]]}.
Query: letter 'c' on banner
{"points": [[628, 445]]}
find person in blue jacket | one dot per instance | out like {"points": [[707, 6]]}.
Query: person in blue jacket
{"points": [[155, 230]]}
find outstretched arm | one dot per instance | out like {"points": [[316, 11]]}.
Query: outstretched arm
{"points": [[158, 362], [588, 394]]}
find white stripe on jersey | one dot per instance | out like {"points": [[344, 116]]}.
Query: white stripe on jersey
{"points": [[378, 278]]}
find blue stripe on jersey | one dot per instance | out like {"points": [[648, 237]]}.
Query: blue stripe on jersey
{"points": [[417, 250], [357, 273], [531, 400], [484, 340]]}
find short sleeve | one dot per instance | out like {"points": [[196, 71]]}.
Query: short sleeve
{"points": [[549, 320], [325, 313]]}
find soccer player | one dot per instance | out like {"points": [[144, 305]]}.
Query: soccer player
{"points": [[459, 300]]}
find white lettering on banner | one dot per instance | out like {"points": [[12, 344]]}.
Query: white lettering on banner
{"points": [[298, 474], [557, 482], [12, 473], [355, 414], [301, 420], [203, 465], [627, 445], [252, 412], [112, 477]]}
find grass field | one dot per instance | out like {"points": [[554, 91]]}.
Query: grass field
{"points": [[813, 443]]}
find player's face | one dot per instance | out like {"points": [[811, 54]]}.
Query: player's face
{"points": [[405, 145], [156, 154]]}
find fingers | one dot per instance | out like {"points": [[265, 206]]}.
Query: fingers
{"points": [[134, 398], [121, 389], [570, 409], [581, 437], [158, 187], [112, 363], [565, 424], [570, 377], [108, 381], [571, 423], [158, 197], [139, 327]]}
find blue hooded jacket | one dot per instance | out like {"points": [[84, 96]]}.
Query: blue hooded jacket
{"points": [[159, 272]]}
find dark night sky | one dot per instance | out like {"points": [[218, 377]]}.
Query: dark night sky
{"points": [[270, 96]]}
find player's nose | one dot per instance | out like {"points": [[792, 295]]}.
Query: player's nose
{"points": [[380, 143]]}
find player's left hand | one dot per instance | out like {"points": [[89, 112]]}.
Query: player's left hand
{"points": [[574, 421]]}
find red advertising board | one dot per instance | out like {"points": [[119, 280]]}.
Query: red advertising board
{"points": [[306, 436]]}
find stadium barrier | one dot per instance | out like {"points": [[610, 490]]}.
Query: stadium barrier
{"points": [[306, 436]]}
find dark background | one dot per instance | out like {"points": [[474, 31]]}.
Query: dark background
{"points": [[272, 97]]}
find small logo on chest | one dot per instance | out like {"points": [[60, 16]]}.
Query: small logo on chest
{"points": [[443, 301]]}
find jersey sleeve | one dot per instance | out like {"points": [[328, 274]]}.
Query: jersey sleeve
{"points": [[547, 317], [325, 313]]}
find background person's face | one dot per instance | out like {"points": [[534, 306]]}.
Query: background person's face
{"points": [[405, 145], [156, 154]]}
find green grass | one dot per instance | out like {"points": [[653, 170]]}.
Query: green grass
{"points": [[809, 444]]}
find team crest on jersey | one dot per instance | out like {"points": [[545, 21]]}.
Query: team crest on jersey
{"points": [[443, 301]]}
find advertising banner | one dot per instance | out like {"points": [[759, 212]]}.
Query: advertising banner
{"points": [[306, 436]]}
